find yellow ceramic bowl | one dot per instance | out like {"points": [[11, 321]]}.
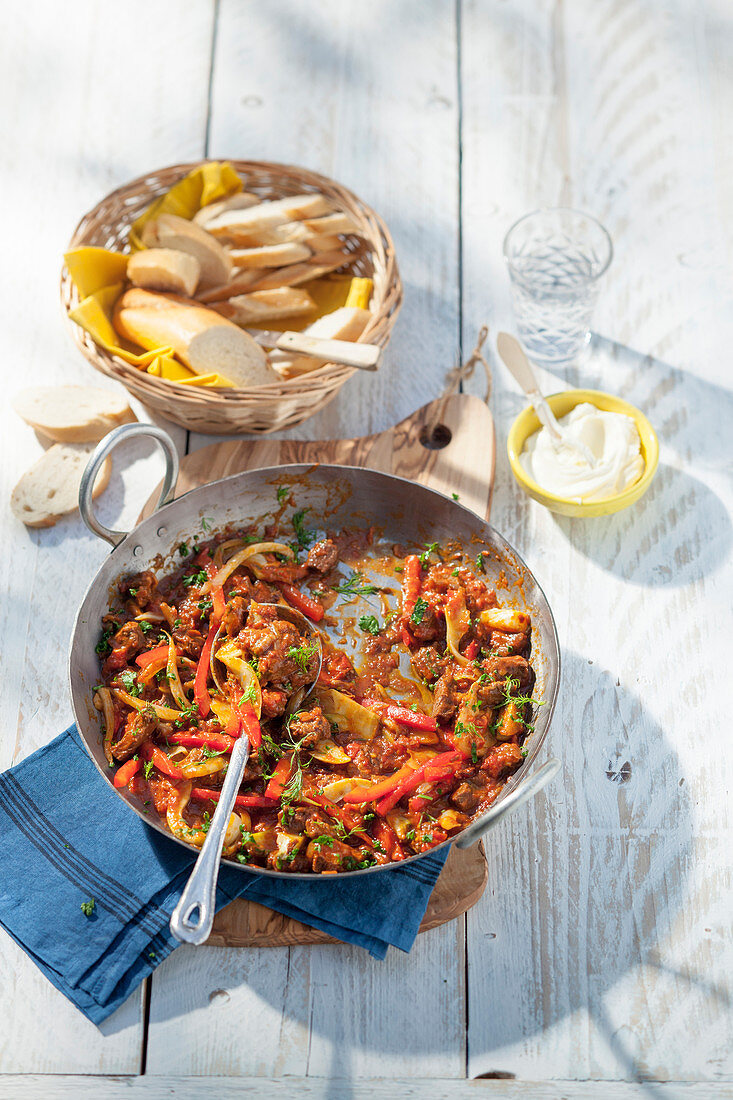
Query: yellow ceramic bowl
{"points": [[561, 404]]}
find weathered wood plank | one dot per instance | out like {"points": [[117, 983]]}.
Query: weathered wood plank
{"points": [[315, 1088], [81, 125], [592, 956]]}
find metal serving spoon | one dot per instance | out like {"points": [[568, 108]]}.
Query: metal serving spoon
{"points": [[193, 917], [512, 353]]}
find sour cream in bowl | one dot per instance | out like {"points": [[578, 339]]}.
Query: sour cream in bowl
{"points": [[620, 438]]}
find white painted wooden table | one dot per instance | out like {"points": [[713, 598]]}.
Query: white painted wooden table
{"points": [[596, 959]]}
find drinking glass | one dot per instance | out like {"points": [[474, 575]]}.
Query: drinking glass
{"points": [[556, 257]]}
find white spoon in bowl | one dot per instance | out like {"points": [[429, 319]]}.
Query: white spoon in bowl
{"points": [[512, 354]]}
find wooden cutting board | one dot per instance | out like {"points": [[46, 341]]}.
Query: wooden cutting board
{"points": [[448, 445]]}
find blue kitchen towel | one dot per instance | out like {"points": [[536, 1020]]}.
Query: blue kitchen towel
{"points": [[66, 838]]}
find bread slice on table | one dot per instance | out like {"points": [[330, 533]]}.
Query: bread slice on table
{"points": [[72, 414], [201, 338], [238, 223], [266, 305], [344, 323], [165, 269], [50, 489], [170, 231]]}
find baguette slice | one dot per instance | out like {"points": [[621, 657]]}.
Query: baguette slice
{"points": [[287, 233], [234, 223], [204, 341], [165, 269], [332, 223], [270, 255], [50, 489], [72, 414], [263, 279], [239, 201], [345, 323], [170, 231], [266, 305]]}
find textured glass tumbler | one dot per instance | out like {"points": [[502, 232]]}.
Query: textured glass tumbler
{"points": [[556, 258]]}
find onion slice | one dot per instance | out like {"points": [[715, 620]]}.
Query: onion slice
{"points": [[457, 622], [174, 680], [242, 556], [103, 702], [230, 655], [166, 713]]}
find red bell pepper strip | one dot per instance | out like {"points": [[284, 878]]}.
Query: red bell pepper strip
{"points": [[378, 790], [387, 838], [200, 693], [280, 778], [411, 584], [159, 654], [216, 741], [161, 761], [310, 608], [411, 718], [440, 767], [244, 719], [124, 774], [241, 802]]}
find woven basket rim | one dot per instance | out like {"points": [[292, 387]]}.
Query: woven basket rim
{"points": [[331, 375]]}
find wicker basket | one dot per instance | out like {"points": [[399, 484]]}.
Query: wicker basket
{"points": [[262, 409]]}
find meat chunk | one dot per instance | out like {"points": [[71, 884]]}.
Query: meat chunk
{"points": [[337, 671], [140, 587], [502, 759], [189, 642], [333, 855], [505, 645], [428, 663], [162, 791], [127, 642], [138, 727], [509, 668], [284, 658], [466, 796], [273, 702], [430, 627], [235, 615], [309, 727], [445, 698], [322, 556]]}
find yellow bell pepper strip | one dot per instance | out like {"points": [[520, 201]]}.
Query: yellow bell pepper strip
{"points": [[125, 772], [440, 767], [174, 680], [200, 693], [168, 714]]}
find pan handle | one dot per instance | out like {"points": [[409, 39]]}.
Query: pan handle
{"points": [[521, 794], [106, 445]]}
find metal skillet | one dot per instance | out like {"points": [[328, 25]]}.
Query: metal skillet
{"points": [[338, 497]]}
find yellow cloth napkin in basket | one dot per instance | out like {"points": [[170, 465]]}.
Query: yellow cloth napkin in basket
{"points": [[99, 274]]}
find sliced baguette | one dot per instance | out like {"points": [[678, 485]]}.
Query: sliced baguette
{"points": [[165, 269], [332, 223], [287, 233], [270, 255], [72, 414], [239, 201], [170, 231], [262, 279], [265, 305], [203, 340], [50, 489], [345, 323], [238, 223]]}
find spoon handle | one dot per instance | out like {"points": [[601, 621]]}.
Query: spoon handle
{"points": [[186, 924], [512, 353]]}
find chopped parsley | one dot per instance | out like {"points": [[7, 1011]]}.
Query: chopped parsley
{"points": [[145, 626], [183, 550], [133, 591], [455, 497], [430, 548], [324, 841], [206, 523], [480, 562], [418, 612], [130, 684], [205, 605], [196, 579], [474, 753], [148, 769], [282, 493], [370, 623], [103, 645], [354, 586], [205, 822], [87, 907]]}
